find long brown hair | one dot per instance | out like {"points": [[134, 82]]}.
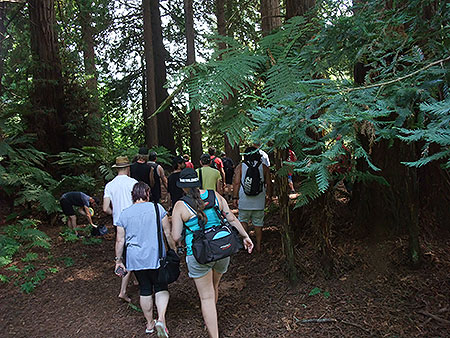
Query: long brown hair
{"points": [[199, 204]]}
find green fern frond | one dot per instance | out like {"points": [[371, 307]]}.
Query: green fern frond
{"points": [[322, 178], [308, 191], [425, 160]]}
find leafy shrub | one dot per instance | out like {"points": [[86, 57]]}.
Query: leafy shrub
{"points": [[26, 233], [22, 175], [69, 235], [21, 236]]}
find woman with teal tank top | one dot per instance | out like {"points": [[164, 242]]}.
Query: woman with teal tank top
{"points": [[206, 276]]}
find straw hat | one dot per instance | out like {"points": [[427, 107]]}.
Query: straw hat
{"points": [[121, 162]]}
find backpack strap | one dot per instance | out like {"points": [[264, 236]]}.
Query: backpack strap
{"points": [[200, 177], [210, 202]]}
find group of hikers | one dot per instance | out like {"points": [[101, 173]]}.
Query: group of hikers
{"points": [[199, 199]]}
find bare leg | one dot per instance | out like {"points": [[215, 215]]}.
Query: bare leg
{"points": [[161, 301], [123, 288], [207, 295], [258, 233], [216, 279], [147, 308], [72, 222], [81, 211]]}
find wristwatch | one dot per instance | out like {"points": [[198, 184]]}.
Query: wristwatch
{"points": [[117, 259]]}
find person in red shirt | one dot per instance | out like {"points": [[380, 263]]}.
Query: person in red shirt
{"points": [[188, 163], [216, 162], [291, 158]]}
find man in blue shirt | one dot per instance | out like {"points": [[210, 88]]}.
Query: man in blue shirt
{"points": [[77, 199]]}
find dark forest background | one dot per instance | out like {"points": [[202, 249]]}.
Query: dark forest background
{"points": [[365, 81]]}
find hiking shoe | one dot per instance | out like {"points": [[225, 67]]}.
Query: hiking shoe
{"points": [[161, 330]]}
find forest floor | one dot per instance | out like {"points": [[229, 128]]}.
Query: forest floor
{"points": [[374, 292]]}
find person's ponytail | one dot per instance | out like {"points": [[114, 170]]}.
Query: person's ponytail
{"points": [[199, 204]]}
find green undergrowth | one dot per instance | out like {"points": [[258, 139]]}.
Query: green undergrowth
{"points": [[22, 248], [26, 258]]}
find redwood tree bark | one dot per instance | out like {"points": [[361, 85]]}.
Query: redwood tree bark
{"points": [[382, 209], [2, 41], [194, 115], [166, 136], [88, 44], [270, 15], [47, 96], [150, 125], [298, 7], [87, 34], [231, 151]]}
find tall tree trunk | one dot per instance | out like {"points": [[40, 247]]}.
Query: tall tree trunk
{"points": [[232, 151], [194, 115], [281, 182], [298, 7], [2, 41], [381, 209], [150, 125], [270, 20], [87, 33], [270, 15], [47, 96], [166, 136]]}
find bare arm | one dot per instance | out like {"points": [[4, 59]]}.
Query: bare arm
{"points": [[107, 206], [120, 241], [222, 174], [88, 214], [167, 232], [236, 184], [162, 176], [219, 186], [177, 222], [267, 180], [152, 177]]}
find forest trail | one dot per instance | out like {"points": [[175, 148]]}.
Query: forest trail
{"points": [[366, 299]]}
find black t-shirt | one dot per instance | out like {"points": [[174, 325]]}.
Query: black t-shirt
{"points": [[175, 192], [140, 172], [76, 198]]}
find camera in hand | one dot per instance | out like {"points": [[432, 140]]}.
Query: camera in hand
{"points": [[121, 272]]}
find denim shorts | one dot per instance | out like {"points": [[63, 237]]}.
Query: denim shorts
{"points": [[197, 270], [256, 216]]}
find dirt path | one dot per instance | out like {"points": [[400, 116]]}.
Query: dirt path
{"points": [[373, 295]]}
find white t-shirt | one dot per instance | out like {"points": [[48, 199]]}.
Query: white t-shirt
{"points": [[264, 158], [119, 191]]}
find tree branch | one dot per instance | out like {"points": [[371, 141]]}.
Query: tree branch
{"points": [[400, 78]]}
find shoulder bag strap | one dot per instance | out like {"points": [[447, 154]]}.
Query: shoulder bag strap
{"points": [[159, 230]]}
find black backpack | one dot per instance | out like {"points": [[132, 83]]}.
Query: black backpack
{"points": [[228, 165], [155, 173], [213, 163], [252, 183], [212, 244]]}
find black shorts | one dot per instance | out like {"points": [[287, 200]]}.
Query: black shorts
{"points": [[67, 207], [148, 282]]}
